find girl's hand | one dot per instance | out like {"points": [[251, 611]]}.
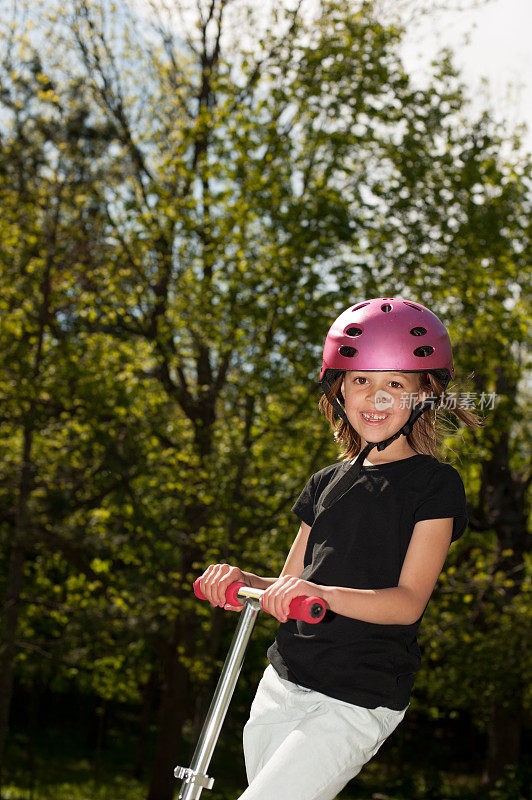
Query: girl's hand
{"points": [[277, 598], [215, 580]]}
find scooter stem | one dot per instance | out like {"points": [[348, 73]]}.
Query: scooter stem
{"points": [[195, 777]]}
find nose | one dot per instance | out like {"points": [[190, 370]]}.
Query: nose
{"points": [[370, 397]]}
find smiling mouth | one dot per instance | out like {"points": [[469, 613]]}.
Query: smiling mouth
{"points": [[373, 417]]}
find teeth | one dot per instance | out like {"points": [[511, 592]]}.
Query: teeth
{"points": [[372, 417]]}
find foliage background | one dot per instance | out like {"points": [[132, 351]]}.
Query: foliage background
{"points": [[188, 198]]}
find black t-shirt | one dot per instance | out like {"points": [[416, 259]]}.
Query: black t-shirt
{"points": [[361, 542]]}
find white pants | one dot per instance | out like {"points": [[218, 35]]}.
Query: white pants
{"points": [[303, 745]]}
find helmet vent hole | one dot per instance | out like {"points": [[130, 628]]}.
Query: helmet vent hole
{"points": [[413, 306], [386, 307], [418, 331], [360, 305], [426, 350], [348, 352], [353, 331]]}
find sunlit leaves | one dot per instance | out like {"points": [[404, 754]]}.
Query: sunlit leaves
{"points": [[182, 229]]}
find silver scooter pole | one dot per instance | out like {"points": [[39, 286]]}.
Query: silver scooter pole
{"points": [[194, 778]]}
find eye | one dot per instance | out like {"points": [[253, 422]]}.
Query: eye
{"points": [[359, 378], [397, 383]]}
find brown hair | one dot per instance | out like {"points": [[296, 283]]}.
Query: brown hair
{"points": [[428, 432]]}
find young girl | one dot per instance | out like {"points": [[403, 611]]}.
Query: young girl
{"points": [[373, 538]]}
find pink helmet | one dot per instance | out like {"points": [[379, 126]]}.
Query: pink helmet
{"points": [[389, 333]]}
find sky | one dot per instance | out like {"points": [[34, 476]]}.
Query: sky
{"points": [[492, 41]]}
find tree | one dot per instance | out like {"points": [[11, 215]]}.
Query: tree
{"points": [[49, 147], [231, 195], [218, 197], [470, 232]]}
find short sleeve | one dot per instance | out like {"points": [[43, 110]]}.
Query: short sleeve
{"points": [[445, 497], [304, 505]]}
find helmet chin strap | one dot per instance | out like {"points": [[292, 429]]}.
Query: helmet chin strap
{"points": [[415, 414], [327, 388], [338, 488]]}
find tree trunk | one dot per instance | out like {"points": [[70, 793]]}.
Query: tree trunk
{"points": [[100, 724], [14, 588], [33, 728], [204, 693], [146, 716], [173, 711], [504, 740], [503, 503]]}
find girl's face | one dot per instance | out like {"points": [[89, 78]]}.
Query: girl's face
{"points": [[378, 404]]}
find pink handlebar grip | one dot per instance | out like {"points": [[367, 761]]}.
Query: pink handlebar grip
{"points": [[230, 594], [306, 609]]}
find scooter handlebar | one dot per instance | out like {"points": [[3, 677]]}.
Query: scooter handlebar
{"points": [[306, 609]]}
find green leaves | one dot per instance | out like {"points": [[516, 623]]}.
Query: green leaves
{"points": [[481, 659], [181, 222]]}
